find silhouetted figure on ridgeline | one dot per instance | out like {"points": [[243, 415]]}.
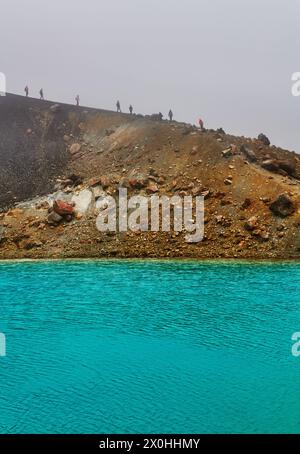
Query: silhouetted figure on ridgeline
{"points": [[201, 124], [42, 94], [118, 106]]}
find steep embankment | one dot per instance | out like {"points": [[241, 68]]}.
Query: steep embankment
{"points": [[42, 146]]}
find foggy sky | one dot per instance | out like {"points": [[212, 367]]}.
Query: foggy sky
{"points": [[228, 61]]}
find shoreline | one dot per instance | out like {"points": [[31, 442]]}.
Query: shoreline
{"points": [[152, 259]]}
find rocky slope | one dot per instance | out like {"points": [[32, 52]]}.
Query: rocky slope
{"points": [[59, 152]]}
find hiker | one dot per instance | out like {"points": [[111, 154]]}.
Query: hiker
{"points": [[26, 89], [118, 106], [130, 109], [171, 115], [201, 124], [160, 116], [41, 94], [77, 99]]}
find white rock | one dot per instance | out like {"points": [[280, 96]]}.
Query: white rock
{"points": [[83, 201]]}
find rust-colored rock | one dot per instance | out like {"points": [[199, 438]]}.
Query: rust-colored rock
{"points": [[104, 181], [138, 183], [63, 208]]}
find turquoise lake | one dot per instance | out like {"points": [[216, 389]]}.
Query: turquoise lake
{"points": [[149, 347]]}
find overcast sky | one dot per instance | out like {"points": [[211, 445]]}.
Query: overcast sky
{"points": [[229, 62]]}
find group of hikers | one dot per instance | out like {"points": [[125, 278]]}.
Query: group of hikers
{"points": [[41, 93], [118, 105]]}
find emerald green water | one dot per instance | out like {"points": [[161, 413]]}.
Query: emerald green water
{"points": [[143, 346]]}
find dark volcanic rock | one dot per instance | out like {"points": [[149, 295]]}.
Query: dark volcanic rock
{"points": [[264, 139], [29, 162], [271, 165], [249, 153], [284, 167], [288, 166], [246, 204], [54, 218], [282, 206]]}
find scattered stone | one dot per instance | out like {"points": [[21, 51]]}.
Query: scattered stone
{"points": [[264, 139], [249, 153], [63, 208], [138, 183], [153, 172], [2, 232], [98, 192], [161, 180], [227, 153], [196, 191], [82, 201], [283, 206], [261, 234], [289, 166], [281, 166], [271, 165], [55, 108], [104, 181], [75, 180], [95, 181], [54, 218], [75, 148], [152, 178], [32, 245], [206, 193], [219, 219], [246, 204], [228, 181], [234, 149], [251, 223], [152, 188], [225, 202]]}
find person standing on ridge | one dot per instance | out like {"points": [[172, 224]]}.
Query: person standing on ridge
{"points": [[77, 99], [118, 106], [131, 109], [41, 94], [171, 115], [26, 89], [201, 124]]}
